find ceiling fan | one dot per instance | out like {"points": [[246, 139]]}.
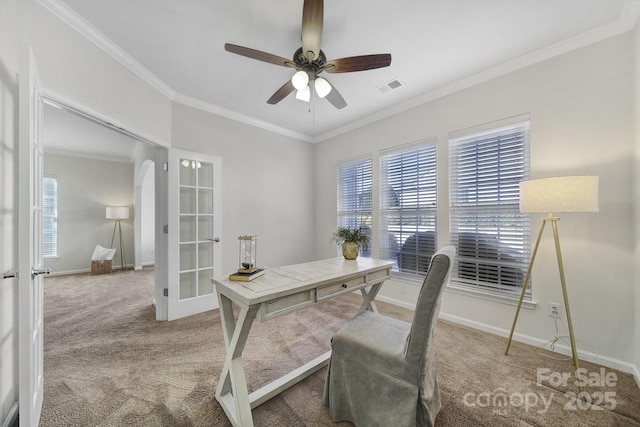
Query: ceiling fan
{"points": [[309, 61]]}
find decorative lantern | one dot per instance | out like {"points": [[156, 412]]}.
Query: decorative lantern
{"points": [[248, 246]]}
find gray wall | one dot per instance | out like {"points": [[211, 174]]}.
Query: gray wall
{"points": [[580, 106], [268, 185], [85, 188]]}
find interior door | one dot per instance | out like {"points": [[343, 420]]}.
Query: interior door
{"points": [[30, 293], [195, 250]]}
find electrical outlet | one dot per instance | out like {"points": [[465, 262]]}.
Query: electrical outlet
{"points": [[403, 289], [555, 310]]}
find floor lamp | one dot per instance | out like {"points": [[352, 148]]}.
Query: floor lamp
{"points": [[118, 213], [560, 194]]}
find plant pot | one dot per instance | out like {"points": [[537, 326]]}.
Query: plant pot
{"points": [[350, 250]]}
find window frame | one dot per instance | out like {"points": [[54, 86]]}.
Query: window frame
{"points": [[354, 197], [506, 241], [50, 216], [411, 168]]}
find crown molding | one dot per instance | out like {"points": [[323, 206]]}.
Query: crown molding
{"points": [[92, 156], [234, 115], [78, 23], [627, 20]]}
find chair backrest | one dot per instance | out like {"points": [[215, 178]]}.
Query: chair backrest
{"points": [[428, 306]]}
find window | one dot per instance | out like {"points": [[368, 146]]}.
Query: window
{"points": [[491, 236], [408, 206], [49, 217], [354, 197]]}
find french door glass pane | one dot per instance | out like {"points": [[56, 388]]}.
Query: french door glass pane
{"points": [[187, 228], [196, 228], [187, 285], [205, 201], [187, 200], [187, 172], [205, 286], [187, 257], [205, 175], [205, 228], [205, 255]]}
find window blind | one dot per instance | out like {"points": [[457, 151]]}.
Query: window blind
{"points": [[354, 197], [409, 207], [491, 235], [49, 217]]}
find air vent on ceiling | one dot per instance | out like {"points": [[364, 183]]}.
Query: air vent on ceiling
{"points": [[389, 86]]}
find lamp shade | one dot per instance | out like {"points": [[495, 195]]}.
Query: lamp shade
{"points": [[117, 212], [559, 194]]}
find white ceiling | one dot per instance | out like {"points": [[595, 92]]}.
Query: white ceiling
{"points": [[436, 46]]}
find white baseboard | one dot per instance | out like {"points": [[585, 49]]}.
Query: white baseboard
{"points": [[145, 264], [536, 342], [84, 270], [636, 375], [67, 272]]}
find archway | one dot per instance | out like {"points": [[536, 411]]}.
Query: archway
{"points": [[144, 241]]}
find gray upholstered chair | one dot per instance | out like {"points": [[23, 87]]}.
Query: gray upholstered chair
{"points": [[382, 370]]}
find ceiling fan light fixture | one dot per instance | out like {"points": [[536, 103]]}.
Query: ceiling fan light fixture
{"points": [[300, 80], [322, 87], [304, 94]]}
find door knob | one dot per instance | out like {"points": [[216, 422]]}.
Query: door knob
{"points": [[214, 240], [35, 272]]}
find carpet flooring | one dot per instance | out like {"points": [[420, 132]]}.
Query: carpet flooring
{"points": [[107, 362]]}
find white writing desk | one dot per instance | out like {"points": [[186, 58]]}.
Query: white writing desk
{"points": [[278, 292]]}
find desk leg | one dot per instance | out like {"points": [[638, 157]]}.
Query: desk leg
{"points": [[368, 295], [232, 390]]}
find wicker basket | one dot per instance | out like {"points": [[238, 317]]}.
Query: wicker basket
{"points": [[101, 267]]}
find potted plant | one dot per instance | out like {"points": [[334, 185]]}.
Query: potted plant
{"points": [[351, 240]]}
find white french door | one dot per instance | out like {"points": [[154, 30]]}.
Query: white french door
{"points": [[195, 250], [30, 294]]}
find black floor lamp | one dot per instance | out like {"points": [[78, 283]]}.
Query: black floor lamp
{"points": [[118, 213]]}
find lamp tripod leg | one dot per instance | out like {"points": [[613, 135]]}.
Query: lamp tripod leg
{"points": [[524, 287], [115, 225], [122, 255], [565, 295]]}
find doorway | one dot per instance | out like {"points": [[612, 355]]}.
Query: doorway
{"points": [[99, 165]]}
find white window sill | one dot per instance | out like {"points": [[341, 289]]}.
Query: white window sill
{"points": [[489, 296], [412, 279], [51, 258]]}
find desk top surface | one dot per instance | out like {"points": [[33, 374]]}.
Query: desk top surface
{"points": [[281, 281]]}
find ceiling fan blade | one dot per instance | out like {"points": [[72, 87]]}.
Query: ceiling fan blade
{"points": [[281, 93], [259, 55], [358, 63], [335, 98], [312, 18]]}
